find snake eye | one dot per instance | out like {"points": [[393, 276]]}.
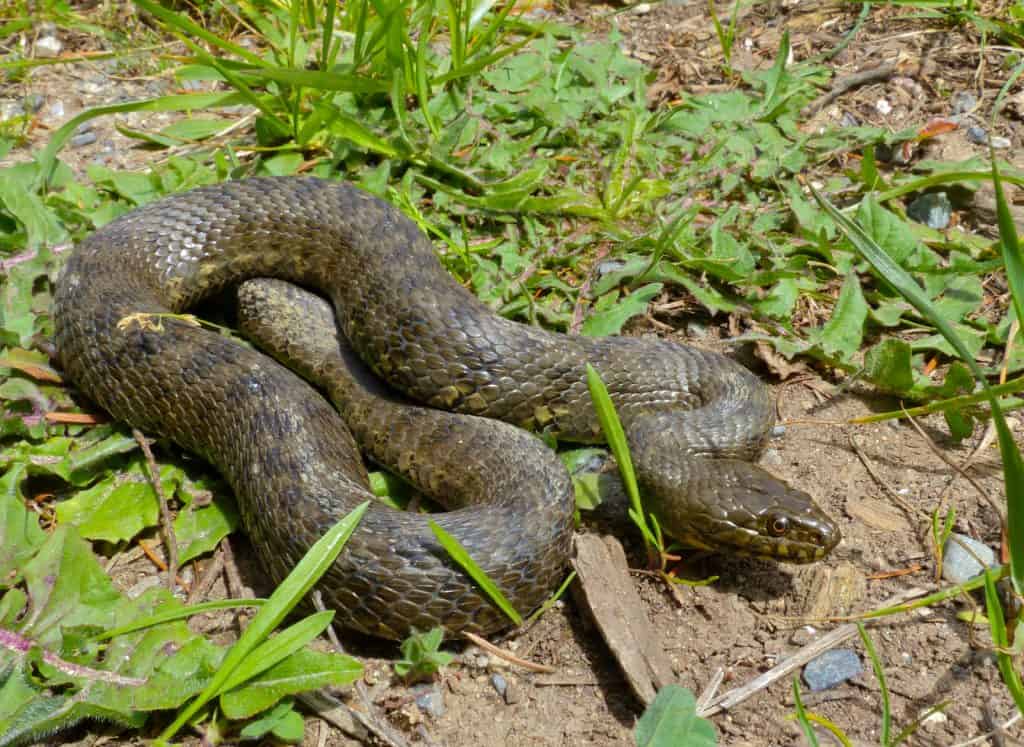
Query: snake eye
{"points": [[778, 525]]}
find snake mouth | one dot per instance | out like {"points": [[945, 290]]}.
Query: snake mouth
{"points": [[800, 546]]}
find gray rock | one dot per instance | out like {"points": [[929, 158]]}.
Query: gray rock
{"points": [[10, 110], [976, 135], [832, 668], [803, 635], [47, 47], [429, 699], [500, 684], [960, 556], [85, 138], [696, 329], [998, 142], [963, 102], [610, 265], [933, 209]]}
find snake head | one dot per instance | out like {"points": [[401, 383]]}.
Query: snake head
{"points": [[737, 508]]}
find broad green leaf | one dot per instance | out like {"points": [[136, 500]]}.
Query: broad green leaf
{"points": [[120, 507], [279, 721], [608, 316], [200, 530], [302, 671], [67, 587], [890, 232], [888, 366], [198, 128], [844, 330], [780, 300], [20, 534], [19, 198], [672, 720]]}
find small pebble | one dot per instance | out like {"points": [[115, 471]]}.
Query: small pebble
{"points": [[500, 685], [696, 329], [958, 558], [610, 265], [883, 106], [849, 120], [47, 47], [832, 668], [803, 635], [10, 110], [933, 209], [771, 457], [976, 135], [56, 110], [933, 719], [84, 127], [999, 142], [963, 102], [85, 138], [642, 9], [906, 659], [429, 699]]}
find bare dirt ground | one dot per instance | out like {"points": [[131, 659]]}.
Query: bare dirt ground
{"points": [[881, 482]]}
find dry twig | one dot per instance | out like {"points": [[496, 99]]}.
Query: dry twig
{"points": [[509, 657], [165, 510], [845, 83]]}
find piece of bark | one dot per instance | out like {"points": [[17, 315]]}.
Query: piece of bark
{"points": [[604, 587]]}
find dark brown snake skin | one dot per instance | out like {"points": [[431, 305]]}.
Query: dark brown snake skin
{"points": [[693, 418]]}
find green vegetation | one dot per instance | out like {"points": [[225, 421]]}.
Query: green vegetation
{"points": [[530, 153], [422, 656]]}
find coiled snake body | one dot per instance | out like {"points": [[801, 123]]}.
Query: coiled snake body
{"points": [[693, 419]]}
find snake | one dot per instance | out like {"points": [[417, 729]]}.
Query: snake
{"points": [[402, 363]]}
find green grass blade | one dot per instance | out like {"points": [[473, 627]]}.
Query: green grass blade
{"points": [[953, 403], [946, 177], [463, 558], [189, 28], [327, 48], [913, 726], [178, 614], [279, 647], [802, 716], [616, 437], [1001, 641], [1015, 275], [552, 599], [876, 664], [308, 571], [318, 79]]}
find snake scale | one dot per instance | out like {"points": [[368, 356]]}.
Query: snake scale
{"points": [[693, 419]]}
